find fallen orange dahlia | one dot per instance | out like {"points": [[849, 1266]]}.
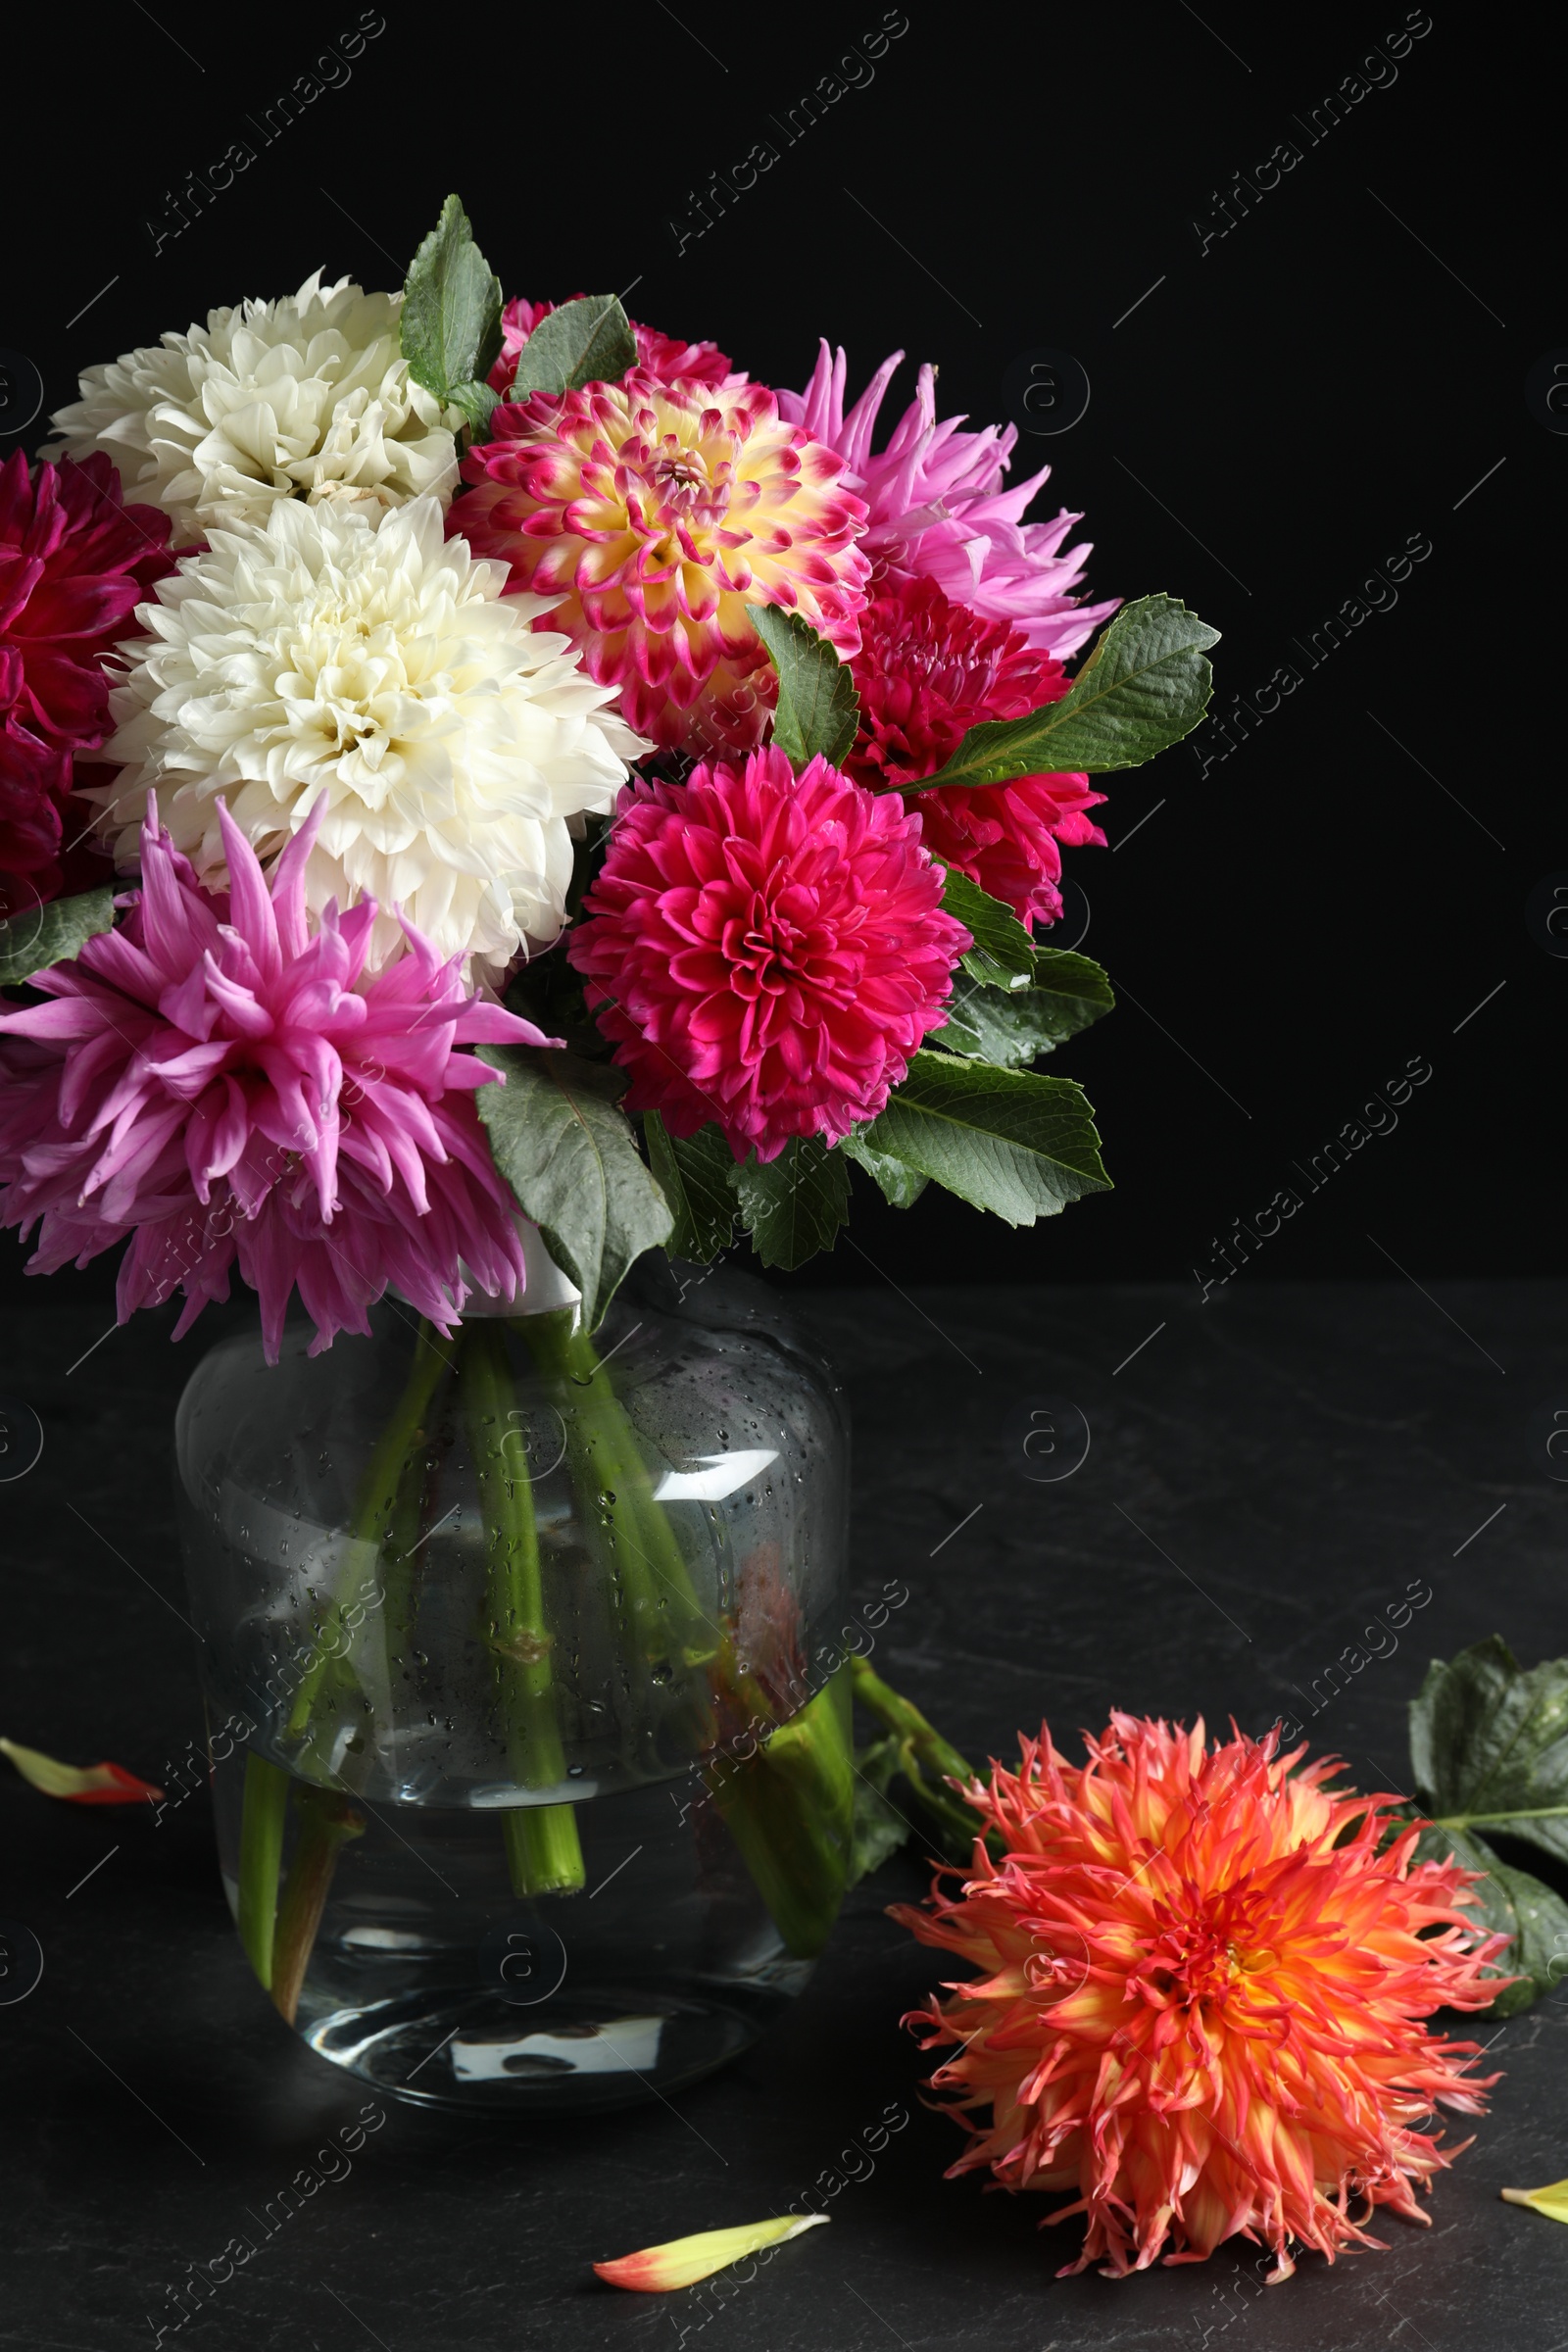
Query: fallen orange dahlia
{"points": [[1202, 1987]]}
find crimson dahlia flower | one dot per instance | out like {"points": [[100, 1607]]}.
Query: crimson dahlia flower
{"points": [[221, 1084], [75, 563], [1204, 1980], [928, 670], [766, 950]]}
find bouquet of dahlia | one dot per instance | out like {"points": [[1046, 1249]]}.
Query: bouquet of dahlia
{"points": [[559, 788]]}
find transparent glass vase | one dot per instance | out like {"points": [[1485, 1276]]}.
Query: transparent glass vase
{"points": [[529, 1739]]}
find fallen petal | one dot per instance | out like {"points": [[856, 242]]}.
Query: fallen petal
{"points": [[1551, 2201], [78, 1784], [656, 2269]]}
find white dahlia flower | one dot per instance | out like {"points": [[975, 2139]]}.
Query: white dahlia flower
{"points": [[320, 655], [309, 397]]}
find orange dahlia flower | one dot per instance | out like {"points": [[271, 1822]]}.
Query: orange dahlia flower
{"points": [[656, 513], [1202, 1992]]}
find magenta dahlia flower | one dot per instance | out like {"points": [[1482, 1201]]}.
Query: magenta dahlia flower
{"points": [[221, 1083], [665, 357], [926, 671], [75, 563], [938, 510], [766, 950], [656, 513]]}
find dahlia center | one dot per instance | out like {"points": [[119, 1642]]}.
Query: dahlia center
{"points": [[768, 954]]}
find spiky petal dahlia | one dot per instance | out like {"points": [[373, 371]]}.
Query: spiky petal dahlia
{"points": [[1202, 1994], [656, 513], [938, 510], [926, 671], [309, 397], [381, 675], [218, 1081], [75, 563], [766, 951], [658, 355]]}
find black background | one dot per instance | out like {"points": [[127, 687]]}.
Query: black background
{"points": [[1324, 381]]}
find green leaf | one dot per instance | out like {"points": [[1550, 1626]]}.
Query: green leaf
{"points": [[44, 935], [1489, 1743], [1070, 992], [819, 709], [1009, 1141], [1513, 1903], [793, 1206], [588, 341], [1145, 686], [901, 1186], [1003, 953], [572, 1162], [879, 1828], [477, 402], [693, 1173], [450, 325]]}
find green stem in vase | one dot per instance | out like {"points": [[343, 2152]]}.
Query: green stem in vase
{"points": [[543, 1849], [790, 1809], [261, 1859], [384, 1494], [326, 1822]]}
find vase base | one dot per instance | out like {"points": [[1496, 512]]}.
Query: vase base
{"points": [[581, 2052]]}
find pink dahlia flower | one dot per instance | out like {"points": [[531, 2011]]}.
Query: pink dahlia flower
{"points": [[655, 512], [926, 671], [766, 951], [665, 357], [937, 509], [75, 563], [221, 1083]]}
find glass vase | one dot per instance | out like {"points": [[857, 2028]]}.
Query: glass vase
{"points": [[528, 1740]]}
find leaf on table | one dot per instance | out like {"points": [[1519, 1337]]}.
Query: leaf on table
{"points": [[450, 328], [1509, 1903], [793, 1206], [694, 1176], [588, 341], [78, 1784], [819, 709], [1145, 686], [33, 941], [1009, 1141], [568, 1152], [1488, 1737]]}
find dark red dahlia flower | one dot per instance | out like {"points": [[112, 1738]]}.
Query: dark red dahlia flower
{"points": [[75, 563], [929, 669]]}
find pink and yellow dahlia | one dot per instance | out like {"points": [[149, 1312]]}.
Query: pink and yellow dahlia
{"points": [[218, 1081], [926, 672], [1203, 1988], [938, 510], [658, 355], [766, 950], [656, 513]]}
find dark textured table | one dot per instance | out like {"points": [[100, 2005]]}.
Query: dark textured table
{"points": [[1265, 1472]]}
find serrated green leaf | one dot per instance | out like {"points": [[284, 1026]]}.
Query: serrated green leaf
{"points": [[693, 1173], [53, 934], [900, 1187], [477, 402], [451, 323], [1489, 1742], [879, 1828], [793, 1206], [1145, 686], [588, 341], [1003, 953], [1513, 1903], [572, 1160], [1012, 1031], [819, 709], [1009, 1141]]}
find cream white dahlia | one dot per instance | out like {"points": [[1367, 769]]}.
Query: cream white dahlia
{"points": [[326, 654], [309, 397]]}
